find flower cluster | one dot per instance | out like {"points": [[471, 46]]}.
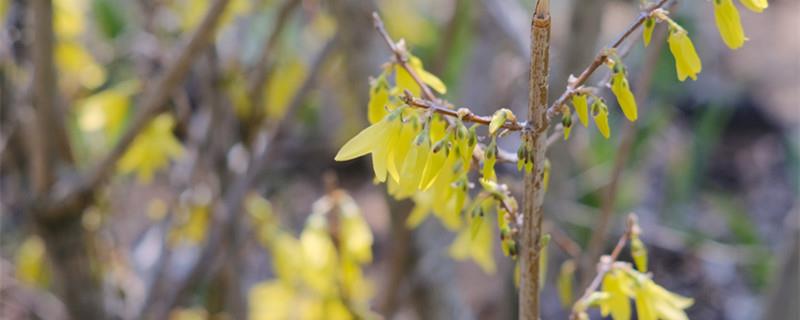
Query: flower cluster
{"points": [[318, 275], [427, 157], [621, 282]]}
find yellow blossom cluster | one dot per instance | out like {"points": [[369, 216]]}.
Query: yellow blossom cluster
{"points": [[318, 275]]}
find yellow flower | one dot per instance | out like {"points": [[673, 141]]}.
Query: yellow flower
{"points": [[600, 114], [152, 149], [581, 108], [687, 63], [378, 98], [375, 139], [475, 242], [755, 5], [729, 23], [618, 287], [655, 302], [405, 81], [621, 89]]}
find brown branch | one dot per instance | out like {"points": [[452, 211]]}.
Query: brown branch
{"points": [[535, 139], [401, 56], [599, 59], [264, 68], [52, 141], [464, 113]]}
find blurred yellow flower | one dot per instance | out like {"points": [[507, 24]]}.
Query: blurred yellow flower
{"points": [[755, 5], [152, 149]]}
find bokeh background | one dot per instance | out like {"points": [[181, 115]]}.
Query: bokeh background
{"points": [[710, 168]]}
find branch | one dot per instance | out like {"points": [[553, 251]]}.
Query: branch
{"points": [[50, 148], [534, 138], [401, 56], [263, 68], [463, 113], [155, 102], [600, 58]]}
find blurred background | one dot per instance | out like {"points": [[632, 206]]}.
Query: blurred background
{"points": [[710, 167]]}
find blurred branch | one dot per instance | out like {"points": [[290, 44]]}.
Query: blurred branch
{"points": [[508, 16], [154, 102], [264, 67], [560, 103], [226, 215], [51, 142]]}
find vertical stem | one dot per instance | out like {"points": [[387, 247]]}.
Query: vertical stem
{"points": [[536, 139]]}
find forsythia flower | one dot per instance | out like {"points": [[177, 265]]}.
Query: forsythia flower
{"points": [[729, 23], [600, 114], [621, 89], [152, 149], [653, 302], [755, 5], [581, 108], [475, 242], [618, 287], [375, 139], [687, 63]]}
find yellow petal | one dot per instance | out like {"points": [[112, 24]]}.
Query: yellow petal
{"points": [[687, 63], [565, 282], [618, 300], [405, 81], [581, 107], [755, 5], [729, 23], [378, 99], [621, 89], [365, 141], [600, 114], [433, 166]]}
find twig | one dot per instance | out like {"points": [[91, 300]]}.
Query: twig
{"points": [[464, 113], [401, 56], [599, 59], [263, 68]]}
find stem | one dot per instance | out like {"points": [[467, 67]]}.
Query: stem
{"points": [[535, 138], [464, 113]]}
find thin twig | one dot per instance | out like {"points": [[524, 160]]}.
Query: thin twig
{"points": [[401, 56], [599, 59], [464, 113], [264, 67]]}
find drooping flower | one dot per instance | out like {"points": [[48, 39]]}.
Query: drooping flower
{"points": [[581, 108], [376, 139], [600, 115], [152, 149], [729, 23], [687, 63], [621, 89]]}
